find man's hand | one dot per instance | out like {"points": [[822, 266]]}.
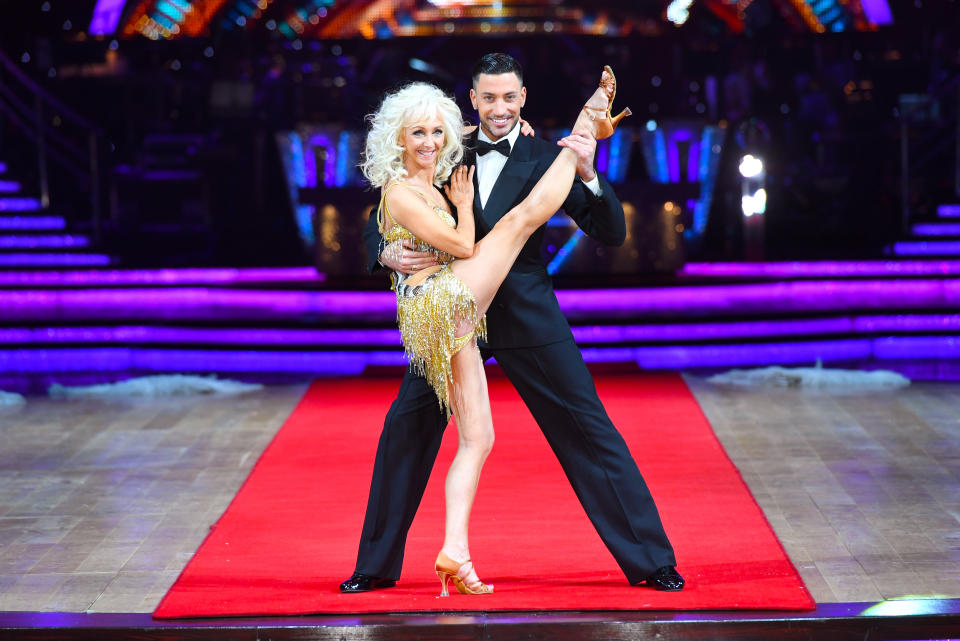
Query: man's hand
{"points": [[526, 129], [586, 149], [400, 257]]}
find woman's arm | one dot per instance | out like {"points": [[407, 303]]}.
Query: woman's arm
{"points": [[410, 210]]}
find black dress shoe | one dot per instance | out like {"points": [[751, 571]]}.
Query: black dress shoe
{"points": [[364, 583], [666, 578]]}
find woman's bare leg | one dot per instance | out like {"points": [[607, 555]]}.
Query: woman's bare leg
{"points": [[483, 273], [471, 407]]}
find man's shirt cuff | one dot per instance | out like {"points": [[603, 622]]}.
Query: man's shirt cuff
{"points": [[594, 186]]}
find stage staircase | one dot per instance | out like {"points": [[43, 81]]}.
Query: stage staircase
{"points": [[939, 238], [32, 236], [99, 323]]}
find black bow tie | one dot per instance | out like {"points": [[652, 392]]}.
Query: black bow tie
{"points": [[483, 147]]}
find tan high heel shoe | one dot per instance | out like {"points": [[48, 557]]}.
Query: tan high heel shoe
{"points": [[605, 124], [448, 569]]}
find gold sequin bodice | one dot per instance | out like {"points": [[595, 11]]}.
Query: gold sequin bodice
{"points": [[399, 232]]}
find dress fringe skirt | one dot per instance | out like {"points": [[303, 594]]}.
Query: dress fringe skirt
{"points": [[427, 316]]}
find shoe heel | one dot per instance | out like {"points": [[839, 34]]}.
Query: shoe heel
{"points": [[623, 114], [444, 578]]}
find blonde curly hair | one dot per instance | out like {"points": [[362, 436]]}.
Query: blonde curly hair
{"points": [[383, 155]]}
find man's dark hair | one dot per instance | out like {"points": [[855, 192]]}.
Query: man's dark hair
{"points": [[496, 63]]}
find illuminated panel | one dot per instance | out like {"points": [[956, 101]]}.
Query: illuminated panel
{"points": [[808, 16], [877, 11], [106, 15], [195, 23], [830, 14], [309, 15], [156, 19], [243, 13]]}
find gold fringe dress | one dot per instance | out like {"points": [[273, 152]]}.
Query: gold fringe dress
{"points": [[427, 312]]}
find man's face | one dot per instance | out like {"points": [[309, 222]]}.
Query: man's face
{"points": [[498, 99]]}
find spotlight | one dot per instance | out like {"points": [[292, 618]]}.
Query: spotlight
{"points": [[755, 203], [651, 125], [750, 166], [678, 11]]}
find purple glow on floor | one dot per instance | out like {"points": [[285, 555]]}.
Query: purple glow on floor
{"points": [[3, 167], [182, 276], [53, 260], [33, 242], [819, 269], [347, 363], [926, 248], [936, 229], [9, 186], [204, 303], [19, 204]]}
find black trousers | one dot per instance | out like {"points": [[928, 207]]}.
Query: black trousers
{"points": [[556, 386]]}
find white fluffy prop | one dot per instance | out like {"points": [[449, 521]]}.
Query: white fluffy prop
{"points": [[8, 399], [816, 377], [158, 386]]}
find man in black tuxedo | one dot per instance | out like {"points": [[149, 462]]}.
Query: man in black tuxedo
{"points": [[534, 346]]}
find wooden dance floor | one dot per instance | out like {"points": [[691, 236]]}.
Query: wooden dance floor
{"points": [[103, 502]]}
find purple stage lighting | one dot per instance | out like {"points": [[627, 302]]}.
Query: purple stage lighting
{"points": [[948, 211], [203, 303], [182, 276], [34, 223], [9, 186], [878, 11], [353, 363], [53, 260], [106, 15], [926, 248], [359, 337], [820, 269], [49, 242], [936, 229], [19, 204]]}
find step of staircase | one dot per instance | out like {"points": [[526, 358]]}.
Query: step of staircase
{"points": [[32, 222], [938, 229], [926, 248], [948, 211], [20, 204], [46, 241]]}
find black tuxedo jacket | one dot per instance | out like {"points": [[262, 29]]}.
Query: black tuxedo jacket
{"points": [[525, 311]]}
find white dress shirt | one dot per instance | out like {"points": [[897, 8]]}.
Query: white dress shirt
{"points": [[490, 164]]}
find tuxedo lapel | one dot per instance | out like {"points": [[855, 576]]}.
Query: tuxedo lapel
{"points": [[470, 158], [516, 173]]}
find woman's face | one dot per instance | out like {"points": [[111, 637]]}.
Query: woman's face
{"points": [[422, 140]]}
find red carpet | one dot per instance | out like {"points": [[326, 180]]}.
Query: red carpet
{"points": [[290, 536]]}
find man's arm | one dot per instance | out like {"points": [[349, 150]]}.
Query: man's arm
{"points": [[398, 256], [373, 241]]}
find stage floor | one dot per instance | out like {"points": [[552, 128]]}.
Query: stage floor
{"points": [[103, 502]]}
